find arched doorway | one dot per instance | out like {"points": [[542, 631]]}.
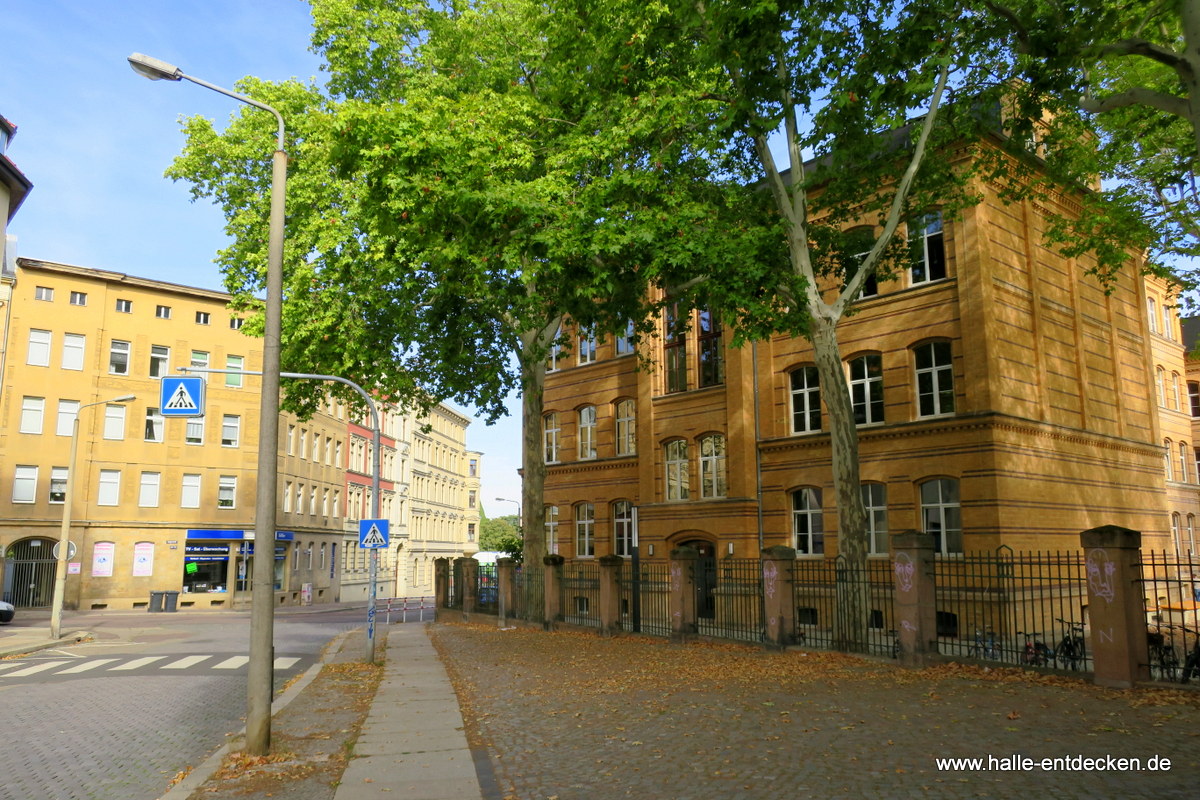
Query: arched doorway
{"points": [[706, 577], [29, 572]]}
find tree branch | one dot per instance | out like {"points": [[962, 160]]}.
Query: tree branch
{"points": [[1154, 52], [1139, 95]]}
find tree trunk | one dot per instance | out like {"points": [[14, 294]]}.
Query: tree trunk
{"points": [[853, 601], [533, 464]]}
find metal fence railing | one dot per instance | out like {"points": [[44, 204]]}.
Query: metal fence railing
{"points": [[646, 597], [1025, 609], [729, 598], [823, 590], [1171, 586], [487, 589], [529, 593], [454, 586], [580, 593]]}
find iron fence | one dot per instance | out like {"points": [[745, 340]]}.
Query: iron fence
{"points": [[454, 585], [823, 592], [1023, 608], [1171, 586], [646, 597], [580, 593], [529, 593], [487, 589], [729, 598]]}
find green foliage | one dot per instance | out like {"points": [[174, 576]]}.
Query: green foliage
{"points": [[503, 535]]}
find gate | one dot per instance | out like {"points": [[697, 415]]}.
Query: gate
{"points": [[29, 573]]}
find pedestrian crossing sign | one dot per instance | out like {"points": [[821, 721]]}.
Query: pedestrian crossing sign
{"points": [[181, 396], [372, 533]]}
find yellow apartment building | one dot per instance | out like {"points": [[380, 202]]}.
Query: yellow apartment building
{"points": [[160, 504], [1003, 398]]}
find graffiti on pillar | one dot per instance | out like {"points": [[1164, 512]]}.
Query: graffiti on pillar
{"points": [[676, 578], [906, 625], [770, 573], [1105, 635], [905, 569], [1100, 574]]}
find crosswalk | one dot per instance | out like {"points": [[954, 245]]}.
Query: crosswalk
{"points": [[24, 668]]}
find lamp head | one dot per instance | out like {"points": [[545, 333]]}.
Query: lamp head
{"points": [[125, 398], [154, 69]]}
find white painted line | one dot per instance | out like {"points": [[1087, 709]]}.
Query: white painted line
{"points": [[232, 663], [10, 665], [184, 663], [35, 669], [284, 662], [85, 666], [137, 662]]}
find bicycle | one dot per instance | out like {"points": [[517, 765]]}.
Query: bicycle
{"points": [[1070, 652], [1191, 665], [984, 647], [1162, 656], [1036, 653], [895, 634]]}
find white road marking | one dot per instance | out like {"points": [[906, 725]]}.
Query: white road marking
{"points": [[184, 663], [45, 665], [232, 663], [85, 666], [137, 662]]}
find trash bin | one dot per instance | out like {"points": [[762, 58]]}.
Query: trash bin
{"points": [[171, 601], [156, 602]]}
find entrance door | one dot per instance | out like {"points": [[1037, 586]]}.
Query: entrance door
{"points": [[706, 577], [29, 573]]}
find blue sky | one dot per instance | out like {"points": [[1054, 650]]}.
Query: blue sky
{"points": [[94, 138]]}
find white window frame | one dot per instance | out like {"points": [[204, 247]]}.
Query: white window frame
{"points": [[587, 346], [203, 318], [162, 312], [193, 431], [587, 433], [160, 361], [808, 521], [148, 489], [550, 437], [114, 422], [124, 306], [37, 354], [806, 399], [33, 414], [25, 481], [227, 492], [231, 423], [626, 422], [108, 488], [585, 530], [74, 349], [45, 293], [943, 510], [68, 411], [931, 379], [622, 522], [78, 298], [155, 425], [866, 389], [874, 497], [713, 475], [189, 490], [675, 459], [930, 232], [58, 477], [116, 348]]}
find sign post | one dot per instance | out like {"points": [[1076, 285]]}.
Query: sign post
{"points": [[373, 535]]}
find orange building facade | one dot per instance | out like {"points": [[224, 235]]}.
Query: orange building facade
{"points": [[1003, 396]]}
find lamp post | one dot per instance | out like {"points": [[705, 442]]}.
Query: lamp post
{"points": [[506, 500], [64, 533], [260, 675]]}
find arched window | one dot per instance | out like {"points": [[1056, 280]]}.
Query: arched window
{"points": [[708, 343], [1160, 384], [808, 529], [587, 433], [1183, 462], [1175, 397], [626, 421], [587, 345], [1167, 459], [866, 389], [622, 516], [806, 400], [935, 379], [550, 431], [1191, 534], [874, 496], [941, 514], [585, 530], [712, 466], [551, 513], [1176, 534], [675, 455]]}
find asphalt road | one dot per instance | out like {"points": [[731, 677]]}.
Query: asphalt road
{"points": [[152, 695]]}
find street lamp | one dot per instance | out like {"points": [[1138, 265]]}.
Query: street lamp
{"points": [[260, 676], [64, 533], [506, 500]]}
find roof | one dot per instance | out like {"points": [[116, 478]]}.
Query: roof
{"points": [[120, 277]]}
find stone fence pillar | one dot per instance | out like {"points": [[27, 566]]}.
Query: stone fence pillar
{"points": [[778, 574], [469, 572], [441, 582], [1116, 605], [683, 593], [553, 566], [916, 601], [505, 588], [610, 594]]}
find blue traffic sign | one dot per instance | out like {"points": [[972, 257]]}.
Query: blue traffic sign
{"points": [[181, 396], [372, 533]]}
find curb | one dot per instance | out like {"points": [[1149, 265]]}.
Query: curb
{"points": [[200, 775], [70, 638]]}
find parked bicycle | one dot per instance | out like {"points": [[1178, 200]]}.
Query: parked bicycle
{"points": [[895, 634], [1164, 662], [985, 644], [1070, 653], [1191, 665], [1036, 653]]}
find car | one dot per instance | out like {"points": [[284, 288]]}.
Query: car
{"points": [[6, 612]]}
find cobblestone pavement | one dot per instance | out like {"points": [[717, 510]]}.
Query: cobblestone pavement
{"points": [[572, 716]]}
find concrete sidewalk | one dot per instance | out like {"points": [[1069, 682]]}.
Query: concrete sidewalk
{"points": [[412, 744]]}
